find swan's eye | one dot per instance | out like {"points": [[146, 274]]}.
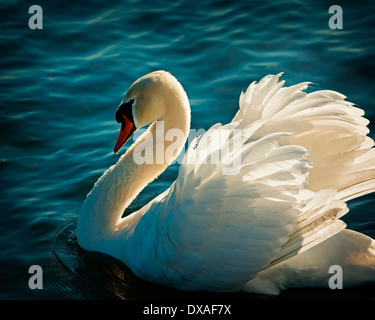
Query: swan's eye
{"points": [[125, 109]]}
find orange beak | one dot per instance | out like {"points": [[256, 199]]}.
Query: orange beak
{"points": [[127, 129]]}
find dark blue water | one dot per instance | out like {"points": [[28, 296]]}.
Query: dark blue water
{"points": [[60, 87]]}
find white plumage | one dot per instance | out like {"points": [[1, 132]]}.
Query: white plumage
{"points": [[260, 218]]}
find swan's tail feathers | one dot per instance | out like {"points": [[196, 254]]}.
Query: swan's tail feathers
{"points": [[318, 221]]}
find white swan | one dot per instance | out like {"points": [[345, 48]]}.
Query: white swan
{"points": [[271, 223]]}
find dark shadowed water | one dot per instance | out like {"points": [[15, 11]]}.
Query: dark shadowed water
{"points": [[60, 87]]}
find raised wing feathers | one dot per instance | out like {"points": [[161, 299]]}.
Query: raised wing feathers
{"points": [[269, 185]]}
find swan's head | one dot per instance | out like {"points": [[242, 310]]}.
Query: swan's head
{"points": [[145, 102]]}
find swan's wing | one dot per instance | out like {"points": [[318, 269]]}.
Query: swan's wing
{"points": [[333, 131], [228, 222], [230, 215]]}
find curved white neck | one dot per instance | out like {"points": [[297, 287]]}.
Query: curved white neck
{"points": [[102, 210]]}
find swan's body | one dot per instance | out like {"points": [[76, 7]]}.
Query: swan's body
{"points": [[269, 223]]}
